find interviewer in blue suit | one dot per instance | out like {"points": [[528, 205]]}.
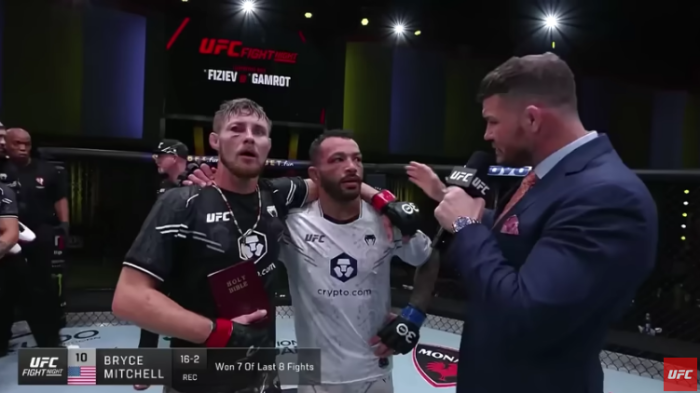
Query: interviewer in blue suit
{"points": [[548, 273]]}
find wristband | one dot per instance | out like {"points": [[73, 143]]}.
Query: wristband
{"points": [[381, 199], [219, 336], [413, 315]]}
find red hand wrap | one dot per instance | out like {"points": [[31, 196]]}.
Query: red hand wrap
{"points": [[381, 199], [221, 334]]}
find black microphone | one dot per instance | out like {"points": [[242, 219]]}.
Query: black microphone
{"points": [[470, 178]]}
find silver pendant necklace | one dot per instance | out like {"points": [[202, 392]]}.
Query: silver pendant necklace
{"points": [[243, 235]]}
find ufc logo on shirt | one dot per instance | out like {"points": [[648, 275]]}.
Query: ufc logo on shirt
{"points": [[403, 331], [680, 375], [216, 217]]}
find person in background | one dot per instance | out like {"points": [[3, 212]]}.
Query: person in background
{"points": [[171, 160], [543, 272], [43, 204], [14, 276]]}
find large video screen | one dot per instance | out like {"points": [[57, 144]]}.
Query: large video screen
{"points": [[210, 62]]}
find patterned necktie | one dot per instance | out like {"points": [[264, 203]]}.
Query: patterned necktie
{"points": [[525, 186]]}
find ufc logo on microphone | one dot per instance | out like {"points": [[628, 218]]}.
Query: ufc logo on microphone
{"points": [[216, 217], [461, 176], [680, 375], [43, 362], [403, 331], [480, 185]]}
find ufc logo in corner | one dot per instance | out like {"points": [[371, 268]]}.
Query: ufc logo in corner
{"points": [[680, 375]]}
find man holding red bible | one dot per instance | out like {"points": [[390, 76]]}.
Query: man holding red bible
{"points": [[198, 241]]}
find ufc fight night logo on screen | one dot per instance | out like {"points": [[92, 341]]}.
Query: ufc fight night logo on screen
{"points": [[680, 375], [42, 367]]}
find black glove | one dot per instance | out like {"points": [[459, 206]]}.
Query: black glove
{"points": [[246, 336], [403, 332], [403, 215]]}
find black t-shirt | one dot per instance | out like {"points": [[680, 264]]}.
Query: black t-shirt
{"points": [[167, 184], [8, 202], [39, 187], [189, 234]]}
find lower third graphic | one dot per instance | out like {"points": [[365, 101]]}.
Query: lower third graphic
{"points": [[82, 366]]}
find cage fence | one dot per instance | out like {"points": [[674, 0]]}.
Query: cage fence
{"points": [[112, 194]]}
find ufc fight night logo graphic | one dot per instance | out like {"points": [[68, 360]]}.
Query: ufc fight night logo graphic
{"points": [[233, 48], [437, 365], [42, 367], [680, 375]]}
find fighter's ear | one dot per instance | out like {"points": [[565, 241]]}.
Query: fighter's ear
{"points": [[313, 174], [214, 141], [532, 118]]}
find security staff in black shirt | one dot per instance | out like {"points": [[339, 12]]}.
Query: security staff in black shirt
{"points": [[171, 159], [13, 272], [43, 205], [193, 232]]}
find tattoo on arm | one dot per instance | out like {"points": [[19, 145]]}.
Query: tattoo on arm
{"points": [[4, 248], [424, 282]]}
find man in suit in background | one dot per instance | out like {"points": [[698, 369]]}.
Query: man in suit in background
{"points": [[550, 271]]}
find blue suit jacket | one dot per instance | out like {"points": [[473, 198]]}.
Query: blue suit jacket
{"points": [[540, 302]]}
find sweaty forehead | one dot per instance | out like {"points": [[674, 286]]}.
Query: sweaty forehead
{"points": [[246, 120], [498, 106], [18, 135], [336, 145]]}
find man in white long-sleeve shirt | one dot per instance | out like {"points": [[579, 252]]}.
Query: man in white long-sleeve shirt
{"points": [[338, 256]]}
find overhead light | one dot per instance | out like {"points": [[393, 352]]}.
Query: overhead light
{"points": [[551, 22], [417, 32], [308, 15], [248, 6], [399, 29], [364, 21]]}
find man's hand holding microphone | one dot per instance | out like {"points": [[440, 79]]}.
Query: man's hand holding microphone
{"points": [[464, 199]]}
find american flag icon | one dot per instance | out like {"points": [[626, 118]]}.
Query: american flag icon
{"points": [[86, 375]]}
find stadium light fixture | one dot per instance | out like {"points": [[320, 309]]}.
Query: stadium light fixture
{"points": [[248, 6], [551, 22]]}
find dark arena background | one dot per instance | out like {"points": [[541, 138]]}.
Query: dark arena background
{"points": [[98, 83]]}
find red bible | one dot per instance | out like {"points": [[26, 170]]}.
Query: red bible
{"points": [[238, 290]]}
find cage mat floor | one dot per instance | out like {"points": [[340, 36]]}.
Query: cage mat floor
{"points": [[411, 372]]}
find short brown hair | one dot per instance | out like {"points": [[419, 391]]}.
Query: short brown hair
{"points": [[237, 107], [315, 147], [546, 77]]}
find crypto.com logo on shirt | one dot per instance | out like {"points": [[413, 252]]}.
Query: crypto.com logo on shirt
{"points": [[232, 48]]}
